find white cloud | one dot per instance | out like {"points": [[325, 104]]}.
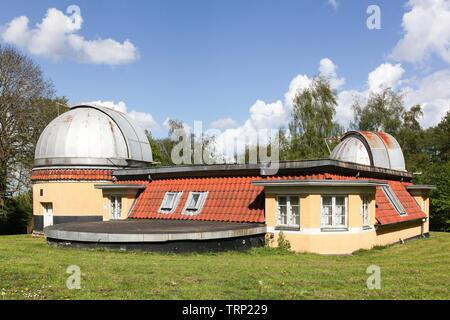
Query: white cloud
{"points": [[223, 124], [333, 3], [433, 94], [327, 69], [299, 83], [345, 99], [385, 76], [267, 118], [426, 29], [267, 115], [56, 37], [145, 120]]}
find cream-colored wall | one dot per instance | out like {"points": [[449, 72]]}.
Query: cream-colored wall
{"points": [[310, 238], [398, 233], [77, 199], [127, 202], [310, 204], [68, 198], [424, 202]]}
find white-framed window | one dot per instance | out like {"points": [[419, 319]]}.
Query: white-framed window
{"points": [[393, 199], [170, 202], [115, 207], [334, 212], [288, 211], [195, 202], [365, 210]]}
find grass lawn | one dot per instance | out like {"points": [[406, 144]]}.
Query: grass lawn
{"points": [[30, 269]]}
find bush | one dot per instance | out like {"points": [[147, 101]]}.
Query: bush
{"points": [[15, 214], [283, 243], [438, 174]]}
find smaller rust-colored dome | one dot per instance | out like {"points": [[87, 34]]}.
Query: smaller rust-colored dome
{"points": [[378, 149]]}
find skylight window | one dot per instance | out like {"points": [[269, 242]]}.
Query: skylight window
{"points": [[195, 202], [170, 202], [393, 199]]}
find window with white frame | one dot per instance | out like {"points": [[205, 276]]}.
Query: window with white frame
{"points": [[365, 210], [195, 202], [115, 205], [334, 212], [288, 211], [393, 199], [170, 202]]}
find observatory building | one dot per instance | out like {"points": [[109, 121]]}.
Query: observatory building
{"points": [[95, 185]]}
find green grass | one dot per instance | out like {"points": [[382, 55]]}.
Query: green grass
{"points": [[30, 269]]}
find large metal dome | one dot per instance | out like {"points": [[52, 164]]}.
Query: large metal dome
{"points": [[90, 135], [378, 149]]}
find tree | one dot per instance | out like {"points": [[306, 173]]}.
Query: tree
{"points": [[411, 137], [382, 112], [162, 148], [27, 105], [438, 140], [438, 174], [385, 111], [22, 85], [312, 122]]}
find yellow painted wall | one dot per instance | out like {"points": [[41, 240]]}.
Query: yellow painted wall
{"points": [[398, 233], [424, 202], [127, 202], [68, 198], [310, 238], [76, 199]]}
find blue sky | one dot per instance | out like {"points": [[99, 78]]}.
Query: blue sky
{"points": [[208, 60]]}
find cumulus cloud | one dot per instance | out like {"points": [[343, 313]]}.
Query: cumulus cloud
{"points": [[385, 76], [345, 100], [433, 94], [56, 37], [265, 118], [223, 124], [145, 120], [327, 69], [426, 31], [299, 83]]}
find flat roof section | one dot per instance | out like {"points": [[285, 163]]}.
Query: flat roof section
{"points": [[158, 235], [285, 167], [318, 183]]}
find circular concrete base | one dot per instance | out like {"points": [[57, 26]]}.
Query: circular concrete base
{"points": [[158, 235]]}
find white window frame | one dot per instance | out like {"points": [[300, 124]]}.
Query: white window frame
{"points": [[390, 195], [334, 225], [289, 214], [200, 203], [115, 212], [174, 205], [365, 209]]}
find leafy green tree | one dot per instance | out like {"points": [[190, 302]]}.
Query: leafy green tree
{"points": [[438, 174], [411, 137], [312, 122], [437, 142], [15, 214], [382, 112], [27, 105], [162, 148]]}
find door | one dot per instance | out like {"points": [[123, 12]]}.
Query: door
{"points": [[115, 207], [48, 214]]}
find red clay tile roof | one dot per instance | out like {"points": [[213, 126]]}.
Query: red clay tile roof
{"points": [[386, 213], [235, 199], [230, 199], [71, 174]]}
